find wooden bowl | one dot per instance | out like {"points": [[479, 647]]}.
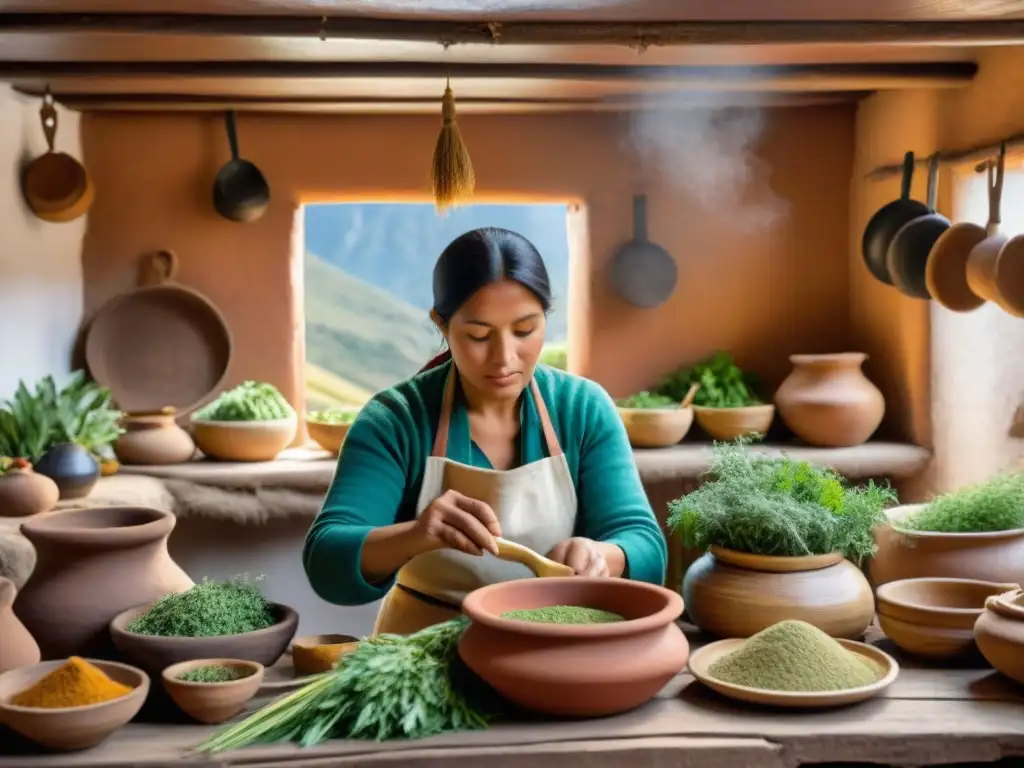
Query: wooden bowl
{"points": [[577, 671], [704, 657], [244, 440], [730, 423], [328, 436], [71, 728], [656, 427], [934, 617], [154, 654], [212, 703], [319, 653]]}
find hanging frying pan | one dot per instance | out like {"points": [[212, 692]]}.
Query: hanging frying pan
{"points": [[240, 192], [642, 273], [908, 253], [886, 222]]}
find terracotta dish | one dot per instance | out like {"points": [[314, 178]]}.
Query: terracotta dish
{"points": [[946, 271], [656, 427], [154, 653], [934, 618], [999, 633], [328, 436], [730, 423], [212, 703], [56, 186], [72, 728], [244, 440], [319, 653], [579, 671], [704, 657]]}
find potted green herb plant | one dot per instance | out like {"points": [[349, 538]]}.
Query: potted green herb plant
{"points": [[654, 420], [783, 539], [252, 422], [328, 427], [975, 532]]}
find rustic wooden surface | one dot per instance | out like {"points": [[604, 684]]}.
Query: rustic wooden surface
{"points": [[930, 716]]}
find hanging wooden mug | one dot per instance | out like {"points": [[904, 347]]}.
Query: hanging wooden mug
{"points": [[981, 264]]}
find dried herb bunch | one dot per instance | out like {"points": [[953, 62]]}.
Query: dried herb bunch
{"points": [[778, 506], [210, 609]]}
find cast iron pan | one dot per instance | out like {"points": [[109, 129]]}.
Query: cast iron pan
{"points": [[886, 222], [240, 192], [912, 244], [642, 273]]}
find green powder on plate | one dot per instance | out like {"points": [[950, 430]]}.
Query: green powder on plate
{"points": [[797, 657], [215, 673], [564, 614]]}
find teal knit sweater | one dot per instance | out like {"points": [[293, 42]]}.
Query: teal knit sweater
{"points": [[380, 472]]}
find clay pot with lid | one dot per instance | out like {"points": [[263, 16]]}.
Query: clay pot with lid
{"points": [[999, 633], [92, 564], [153, 437], [17, 646], [827, 400], [24, 492], [737, 594]]}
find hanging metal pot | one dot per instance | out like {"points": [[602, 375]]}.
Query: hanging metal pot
{"points": [[886, 222]]}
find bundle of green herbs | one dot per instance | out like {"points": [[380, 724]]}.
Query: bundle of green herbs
{"points": [[723, 384], [210, 609], [390, 687], [647, 400], [778, 506], [249, 401], [994, 505]]}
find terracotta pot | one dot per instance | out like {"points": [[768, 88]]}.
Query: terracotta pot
{"points": [[17, 646], [328, 436], [828, 401], [153, 438], [730, 423], [94, 563], [72, 468], [24, 493], [244, 440], [656, 427], [904, 554], [999, 633], [736, 594], [578, 671]]}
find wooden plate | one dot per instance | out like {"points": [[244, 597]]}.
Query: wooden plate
{"points": [[703, 658]]}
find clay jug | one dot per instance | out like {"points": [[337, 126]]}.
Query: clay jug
{"points": [[24, 492], [93, 564], [17, 647], [828, 401], [153, 438]]}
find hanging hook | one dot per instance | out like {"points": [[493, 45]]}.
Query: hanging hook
{"points": [[48, 118], [323, 29]]}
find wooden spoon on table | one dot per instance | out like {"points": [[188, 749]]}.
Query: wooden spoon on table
{"points": [[688, 400], [540, 565]]}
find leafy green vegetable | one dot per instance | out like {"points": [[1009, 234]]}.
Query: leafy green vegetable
{"points": [[722, 384], [647, 400], [249, 401], [778, 506], [332, 416], [210, 609], [994, 505]]}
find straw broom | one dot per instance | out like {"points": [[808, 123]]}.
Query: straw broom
{"points": [[452, 171]]}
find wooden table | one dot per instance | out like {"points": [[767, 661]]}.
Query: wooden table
{"points": [[930, 716]]}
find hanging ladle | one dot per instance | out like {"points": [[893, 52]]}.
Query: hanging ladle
{"points": [[240, 192]]}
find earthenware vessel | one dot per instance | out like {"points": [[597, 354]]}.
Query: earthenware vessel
{"points": [[330, 437], [575, 670], [212, 703], [828, 401], [730, 423], [24, 492], [319, 653], [72, 468], [244, 440], [17, 646], [153, 438], [999, 633], [94, 563], [736, 594], [934, 618], [656, 427], [904, 554], [72, 728]]}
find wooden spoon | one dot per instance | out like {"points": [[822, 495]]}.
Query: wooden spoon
{"points": [[540, 565], [688, 400]]}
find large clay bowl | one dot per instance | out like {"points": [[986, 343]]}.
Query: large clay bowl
{"points": [[154, 654], [328, 436], [905, 554], [999, 633], [212, 703], [736, 594], [576, 671], [71, 728], [244, 440], [656, 427], [730, 423], [934, 618]]}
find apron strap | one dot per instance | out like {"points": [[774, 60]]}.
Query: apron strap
{"points": [[444, 422]]}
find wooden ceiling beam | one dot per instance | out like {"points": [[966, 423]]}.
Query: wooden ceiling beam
{"points": [[638, 35]]}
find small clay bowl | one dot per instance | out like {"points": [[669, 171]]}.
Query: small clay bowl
{"points": [[730, 423], [212, 703], [656, 427], [319, 653], [72, 728], [934, 617], [154, 653], [328, 436]]}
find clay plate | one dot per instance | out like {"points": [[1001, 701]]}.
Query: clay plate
{"points": [[703, 658]]}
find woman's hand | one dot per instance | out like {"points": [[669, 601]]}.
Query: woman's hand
{"points": [[457, 521], [588, 557]]}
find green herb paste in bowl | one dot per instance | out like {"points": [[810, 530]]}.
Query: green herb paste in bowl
{"points": [[564, 614]]}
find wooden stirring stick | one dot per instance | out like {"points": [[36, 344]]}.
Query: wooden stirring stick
{"points": [[540, 565], [688, 400]]}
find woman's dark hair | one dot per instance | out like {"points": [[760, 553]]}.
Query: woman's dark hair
{"points": [[478, 258]]}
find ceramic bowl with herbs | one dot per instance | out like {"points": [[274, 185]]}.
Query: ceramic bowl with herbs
{"points": [[654, 420], [329, 427], [214, 619], [252, 422], [212, 691]]}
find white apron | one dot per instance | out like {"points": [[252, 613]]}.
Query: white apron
{"points": [[535, 505]]}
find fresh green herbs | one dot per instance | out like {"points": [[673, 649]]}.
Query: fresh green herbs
{"points": [[647, 400], [249, 401], [994, 505], [210, 609], [778, 506], [390, 687], [215, 673], [332, 416], [563, 614], [722, 384]]}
